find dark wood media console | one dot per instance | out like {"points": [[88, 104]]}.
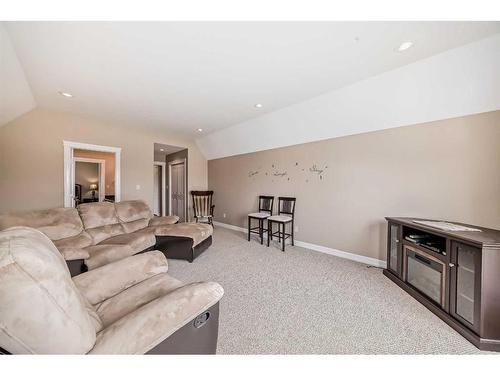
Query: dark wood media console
{"points": [[455, 274]]}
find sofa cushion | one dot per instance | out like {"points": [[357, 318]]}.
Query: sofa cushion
{"points": [[157, 320], [163, 220], [74, 253], [135, 297], [73, 244], [138, 241], [133, 215], [135, 225], [99, 255], [113, 278], [100, 234], [128, 211], [41, 310], [98, 214], [55, 223], [197, 231]]}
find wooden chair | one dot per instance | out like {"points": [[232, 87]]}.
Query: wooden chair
{"points": [[203, 207], [286, 214], [265, 210]]}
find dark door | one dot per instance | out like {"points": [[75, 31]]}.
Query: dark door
{"points": [[178, 188], [394, 250], [465, 284]]}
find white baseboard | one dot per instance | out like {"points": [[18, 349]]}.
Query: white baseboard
{"points": [[323, 249], [229, 226]]}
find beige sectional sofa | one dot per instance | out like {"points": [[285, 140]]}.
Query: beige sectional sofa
{"points": [[95, 234], [130, 306]]}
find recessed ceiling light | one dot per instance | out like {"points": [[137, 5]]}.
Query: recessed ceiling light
{"points": [[404, 46], [162, 149], [65, 94], [258, 105], [200, 129]]}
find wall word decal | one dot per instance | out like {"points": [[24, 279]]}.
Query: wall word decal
{"points": [[319, 172], [280, 174], [276, 171]]}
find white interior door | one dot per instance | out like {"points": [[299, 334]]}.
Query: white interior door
{"points": [[178, 189]]}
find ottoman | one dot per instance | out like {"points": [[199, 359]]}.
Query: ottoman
{"points": [[183, 241]]}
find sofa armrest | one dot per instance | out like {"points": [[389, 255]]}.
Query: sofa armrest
{"points": [[163, 220], [74, 253], [146, 327], [109, 280]]}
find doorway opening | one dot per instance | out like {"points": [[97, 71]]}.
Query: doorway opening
{"points": [[91, 173], [90, 177], [170, 181]]}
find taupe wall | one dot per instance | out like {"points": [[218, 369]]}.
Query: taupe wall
{"points": [[443, 170], [31, 157]]}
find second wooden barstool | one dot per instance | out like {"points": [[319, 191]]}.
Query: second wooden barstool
{"points": [[286, 214]]}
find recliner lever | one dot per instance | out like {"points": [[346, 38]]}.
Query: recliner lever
{"points": [[201, 319]]}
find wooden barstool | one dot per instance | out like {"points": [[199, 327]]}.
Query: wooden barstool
{"points": [[265, 210], [286, 214]]}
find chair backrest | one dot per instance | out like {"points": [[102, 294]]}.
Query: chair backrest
{"points": [[266, 203], [202, 202], [41, 309], [286, 206]]}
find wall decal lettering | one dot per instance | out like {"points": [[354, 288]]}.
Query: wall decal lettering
{"points": [[319, 172], [280, 174]]}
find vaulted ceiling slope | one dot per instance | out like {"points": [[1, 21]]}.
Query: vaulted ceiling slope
{"points": [[209, 75], [458, 82], [15, 94]]}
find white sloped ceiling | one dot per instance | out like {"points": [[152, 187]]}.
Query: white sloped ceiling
{"points": [[15, 93]]}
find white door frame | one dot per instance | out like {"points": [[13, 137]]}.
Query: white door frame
{"points": [[69, 170], [102, 173], [170, 163], [163, 166]]}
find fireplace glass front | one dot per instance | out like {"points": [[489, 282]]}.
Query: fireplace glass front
{"points": [[426, 274]]}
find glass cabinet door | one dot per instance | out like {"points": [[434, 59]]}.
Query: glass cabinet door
{"points": [[394, 254], [466, 269]]}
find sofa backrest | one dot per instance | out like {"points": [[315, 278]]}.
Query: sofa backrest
{"points": [[133, 215], [55, 223], [100, 220], [41, 310]]}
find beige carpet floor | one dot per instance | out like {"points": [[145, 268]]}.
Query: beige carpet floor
{"points": [[306, 302]]}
